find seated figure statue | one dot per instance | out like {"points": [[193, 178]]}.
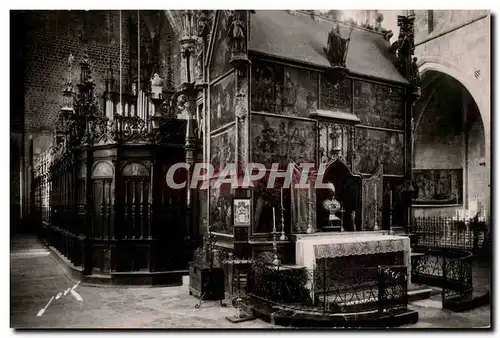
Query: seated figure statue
{"points": [[332, 206]]}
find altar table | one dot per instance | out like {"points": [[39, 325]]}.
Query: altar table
{"points": [[310, 248]]}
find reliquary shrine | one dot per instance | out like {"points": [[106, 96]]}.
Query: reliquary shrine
{"points": [[286, 87]]}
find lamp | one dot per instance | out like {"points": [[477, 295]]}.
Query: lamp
{"points": [[157, 87], [155, 121]]}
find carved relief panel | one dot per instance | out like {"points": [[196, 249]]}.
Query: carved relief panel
{"points": [[335, 93], [220, 211], [222, 106], [300, 92], [334, 139], [375, 147], [378, 105], [221, 52], [222, 148], [267, 81], [282, 140], [283, 90]]}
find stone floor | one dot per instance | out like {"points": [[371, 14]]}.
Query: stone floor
{"points": [[36, 278]]}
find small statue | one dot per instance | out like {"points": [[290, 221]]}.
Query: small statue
{"points": [[70, 69], [336, 50], [415, 76], [331, 205], [237, 34]]}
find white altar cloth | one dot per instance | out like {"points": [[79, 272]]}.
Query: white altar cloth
{"points": [[310, 248]]}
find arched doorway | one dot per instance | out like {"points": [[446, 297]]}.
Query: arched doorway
{"points": [[450, 166]]}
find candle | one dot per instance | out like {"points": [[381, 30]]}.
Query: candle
{"points": [[390, 198]]}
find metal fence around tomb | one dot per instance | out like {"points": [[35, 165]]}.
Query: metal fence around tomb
{"points": [[449, 232], [326, 290], [448, 268]]}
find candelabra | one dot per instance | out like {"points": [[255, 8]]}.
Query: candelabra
{"points": [[376, 227], [276, 260], [310, 229], [342, 218], [283, 236], [390, 214]]}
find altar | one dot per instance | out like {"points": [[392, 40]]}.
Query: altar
{"points": [[310, 248]]}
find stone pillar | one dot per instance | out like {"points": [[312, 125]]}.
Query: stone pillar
{"points": [[407, 64], [187, 103], [238, 37]]}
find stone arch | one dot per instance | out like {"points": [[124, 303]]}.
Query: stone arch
{"points": [[443, 66], [426, 64]]}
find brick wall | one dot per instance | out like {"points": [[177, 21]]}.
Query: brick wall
{"points": [[45, 40], [51, 37]]}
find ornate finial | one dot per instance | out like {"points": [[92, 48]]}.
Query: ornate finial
{"points": [[405, 45], [69, 81]]}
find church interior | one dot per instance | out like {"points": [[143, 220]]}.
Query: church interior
{"points": [[106, 102]]}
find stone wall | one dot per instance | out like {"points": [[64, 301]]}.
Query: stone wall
{"points": [[460, 46]]}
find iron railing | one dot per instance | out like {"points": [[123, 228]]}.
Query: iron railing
{"points": [[326, 290], [447, 268], [448, 232]]}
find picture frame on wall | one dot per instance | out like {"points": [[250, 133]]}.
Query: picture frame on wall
{"points": [[242, 208]]}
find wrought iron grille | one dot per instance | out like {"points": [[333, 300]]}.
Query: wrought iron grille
{"points": [[329, 289], [393, 288], [448, 232], [448, 268]]}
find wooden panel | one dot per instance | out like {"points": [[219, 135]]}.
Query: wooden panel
{"points": [[136, 208], [375, 147], [282, 140], [264, 200], [221, 52], [300, 206], [373, 200], [221, 211], [442, 186], [222, 106], [335, 93], [379, 105], [222, 148]]}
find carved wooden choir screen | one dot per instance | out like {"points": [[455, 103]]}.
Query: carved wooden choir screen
{"points": [[102, 178], [136, 183]]}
